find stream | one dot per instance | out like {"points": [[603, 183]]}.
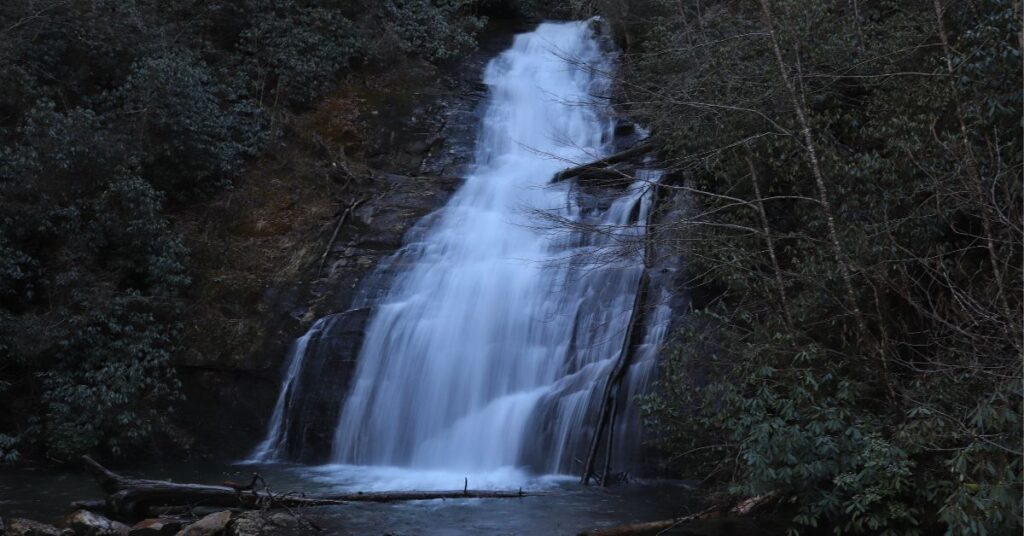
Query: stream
{"points": [[567, 508]]}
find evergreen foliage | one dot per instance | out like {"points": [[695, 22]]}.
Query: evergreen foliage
{"points": [[856, 173], [113, 113]]}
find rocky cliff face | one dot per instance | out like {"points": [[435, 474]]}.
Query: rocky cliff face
{"points": [[300, 233]]}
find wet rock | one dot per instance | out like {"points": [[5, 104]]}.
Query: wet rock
{"points": [[27, 527], [264, 524], [86, 523], [322, 384], [156, 527], [417, 147], [417, 144], [211, 525]]}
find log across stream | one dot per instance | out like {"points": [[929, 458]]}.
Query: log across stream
{"points": [[45, 494], [128, 497]]}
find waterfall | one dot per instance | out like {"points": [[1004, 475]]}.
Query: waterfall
{"points": [[492, 344]]}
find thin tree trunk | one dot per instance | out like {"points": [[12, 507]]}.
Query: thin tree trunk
{"points": [[823, 194], [770, 243], [978, 187], [615, 378], [608, 444]]}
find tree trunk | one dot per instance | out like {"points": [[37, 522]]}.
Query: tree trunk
{"points": [[615, 379], [823, 195], [977, 184], [770, 244]]}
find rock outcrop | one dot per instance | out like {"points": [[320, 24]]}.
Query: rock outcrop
{"points": [[416, 128]]}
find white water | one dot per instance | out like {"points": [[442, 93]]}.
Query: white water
{"points": [[273, 446], [490, 349]]}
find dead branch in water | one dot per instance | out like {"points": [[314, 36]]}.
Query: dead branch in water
{"points": [[745, 508]]}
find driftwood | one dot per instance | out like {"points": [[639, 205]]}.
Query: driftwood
{"points": [[398, 496], [650, 527], [743, 509], [135, 497], [598, 168]]}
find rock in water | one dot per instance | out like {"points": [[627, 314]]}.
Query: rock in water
{"points": [[86, 523], [210, 525], [156, 527], [27, 527], [262, 524]]}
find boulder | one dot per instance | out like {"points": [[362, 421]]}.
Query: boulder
{"points": [[211, 525], [263, 524], [27, 527], [86, 523], [247, 524], [157, 527]]}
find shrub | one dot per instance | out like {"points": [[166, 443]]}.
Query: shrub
{"points": [[192, 141]]}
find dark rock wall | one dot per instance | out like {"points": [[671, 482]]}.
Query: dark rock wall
{"points": [[419, 141]]}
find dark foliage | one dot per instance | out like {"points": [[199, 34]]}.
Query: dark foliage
{"points": [[856, 173], [113, 113]]}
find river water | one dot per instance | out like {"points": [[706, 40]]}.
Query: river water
{"points": [[567, 508]]}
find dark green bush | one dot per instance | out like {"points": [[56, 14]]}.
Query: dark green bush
{"points": [[194, 141], [109, 109], [298, 51], [111, 383], [436, 30]]}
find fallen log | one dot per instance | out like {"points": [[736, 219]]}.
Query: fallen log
{"points": [[597, 166], [744, 509], [136, 497], [609, 396], [398, 496], [636, 529]]}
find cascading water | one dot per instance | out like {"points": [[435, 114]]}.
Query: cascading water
{"points": [[492, 345]]}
